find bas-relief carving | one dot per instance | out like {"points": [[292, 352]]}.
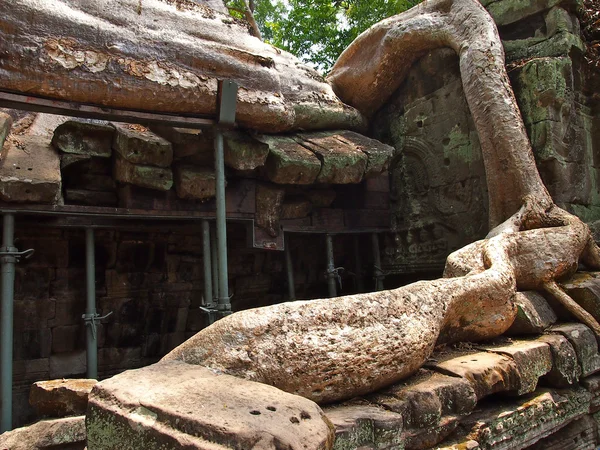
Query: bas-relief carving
{"points": [[438, 185]]}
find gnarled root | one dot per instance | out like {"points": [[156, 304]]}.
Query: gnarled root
{"points": [[571, 305]]}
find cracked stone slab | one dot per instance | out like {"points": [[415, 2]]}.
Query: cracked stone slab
{"points": [[139, 145], [534, 314], [84, 138], [30, 171], [341, 163], [242, 152], [150, 177], [289, 162], [533, 359], [379, 154], [488, 373], [58, 398], [584, 342], [365, 426], [51, 434], [565, 366], [177, 405], [520, 423]]}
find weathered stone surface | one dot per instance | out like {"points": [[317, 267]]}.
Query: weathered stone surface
{"points": [[58, 398], [520, 423], [192, 182], [92, 198], [173, 69], [321, 198], [5, 124], [295, 208], [68, 364], [88, 181], [592, 384], [426, 397], [340, 163], [289, 162], [84, 138], [176, 405], [138, 145], [505, 12], [565, 366], [488, 373], [365, 427], [533, 360], [580, 434], [66, 433], [150, 177], [71, 163], [242, 152], [379, 155], [584, 288], [30, 171], [534, 314], [269, 199], [584, 342], [193, 146]]}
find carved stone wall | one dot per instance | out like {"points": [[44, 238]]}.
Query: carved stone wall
{"points": [[438, 188]]}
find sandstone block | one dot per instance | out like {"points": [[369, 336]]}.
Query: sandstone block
{"points": [[592, 384], [195, 146], [488, 373], [295, 209], [144, 176], [289, 162], [59, 398], [584, 288], [68, 338], [30, 171], [565, 366], [84, 138], [269, 199], [578, 435], [534, 314], [584, 342], [138, 145], [192, 182], [91, 198], [522, 422], [242, 152], [65, 433], [321, 198], [173, 405], [340, 163], [69, 364], [5, 124], [365, 427], [533, 360], [379, 155]]}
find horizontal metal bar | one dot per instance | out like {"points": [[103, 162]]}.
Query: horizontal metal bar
{"points": [[49, 106]]}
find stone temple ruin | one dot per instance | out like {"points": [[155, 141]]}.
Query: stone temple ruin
{"points": [[118, 124]]}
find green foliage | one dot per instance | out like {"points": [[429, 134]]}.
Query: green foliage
{"points": [[317, 31]]}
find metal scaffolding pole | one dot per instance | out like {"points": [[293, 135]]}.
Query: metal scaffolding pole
{"points": [[331, 272], [206, 260], [227, 106], [8, 287], [90, 315], [360, 285], [378, 274], [215, 266], [289, 269]]}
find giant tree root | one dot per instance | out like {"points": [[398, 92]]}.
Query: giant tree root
{"points": [[331, 349]]}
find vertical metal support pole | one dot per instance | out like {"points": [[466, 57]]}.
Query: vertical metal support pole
{"points": [[227, 104], [215, 265], [8, 290], [90, 305], [289, 268], [377, 272], [360, 284], [330, 267], [206, 261]]}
